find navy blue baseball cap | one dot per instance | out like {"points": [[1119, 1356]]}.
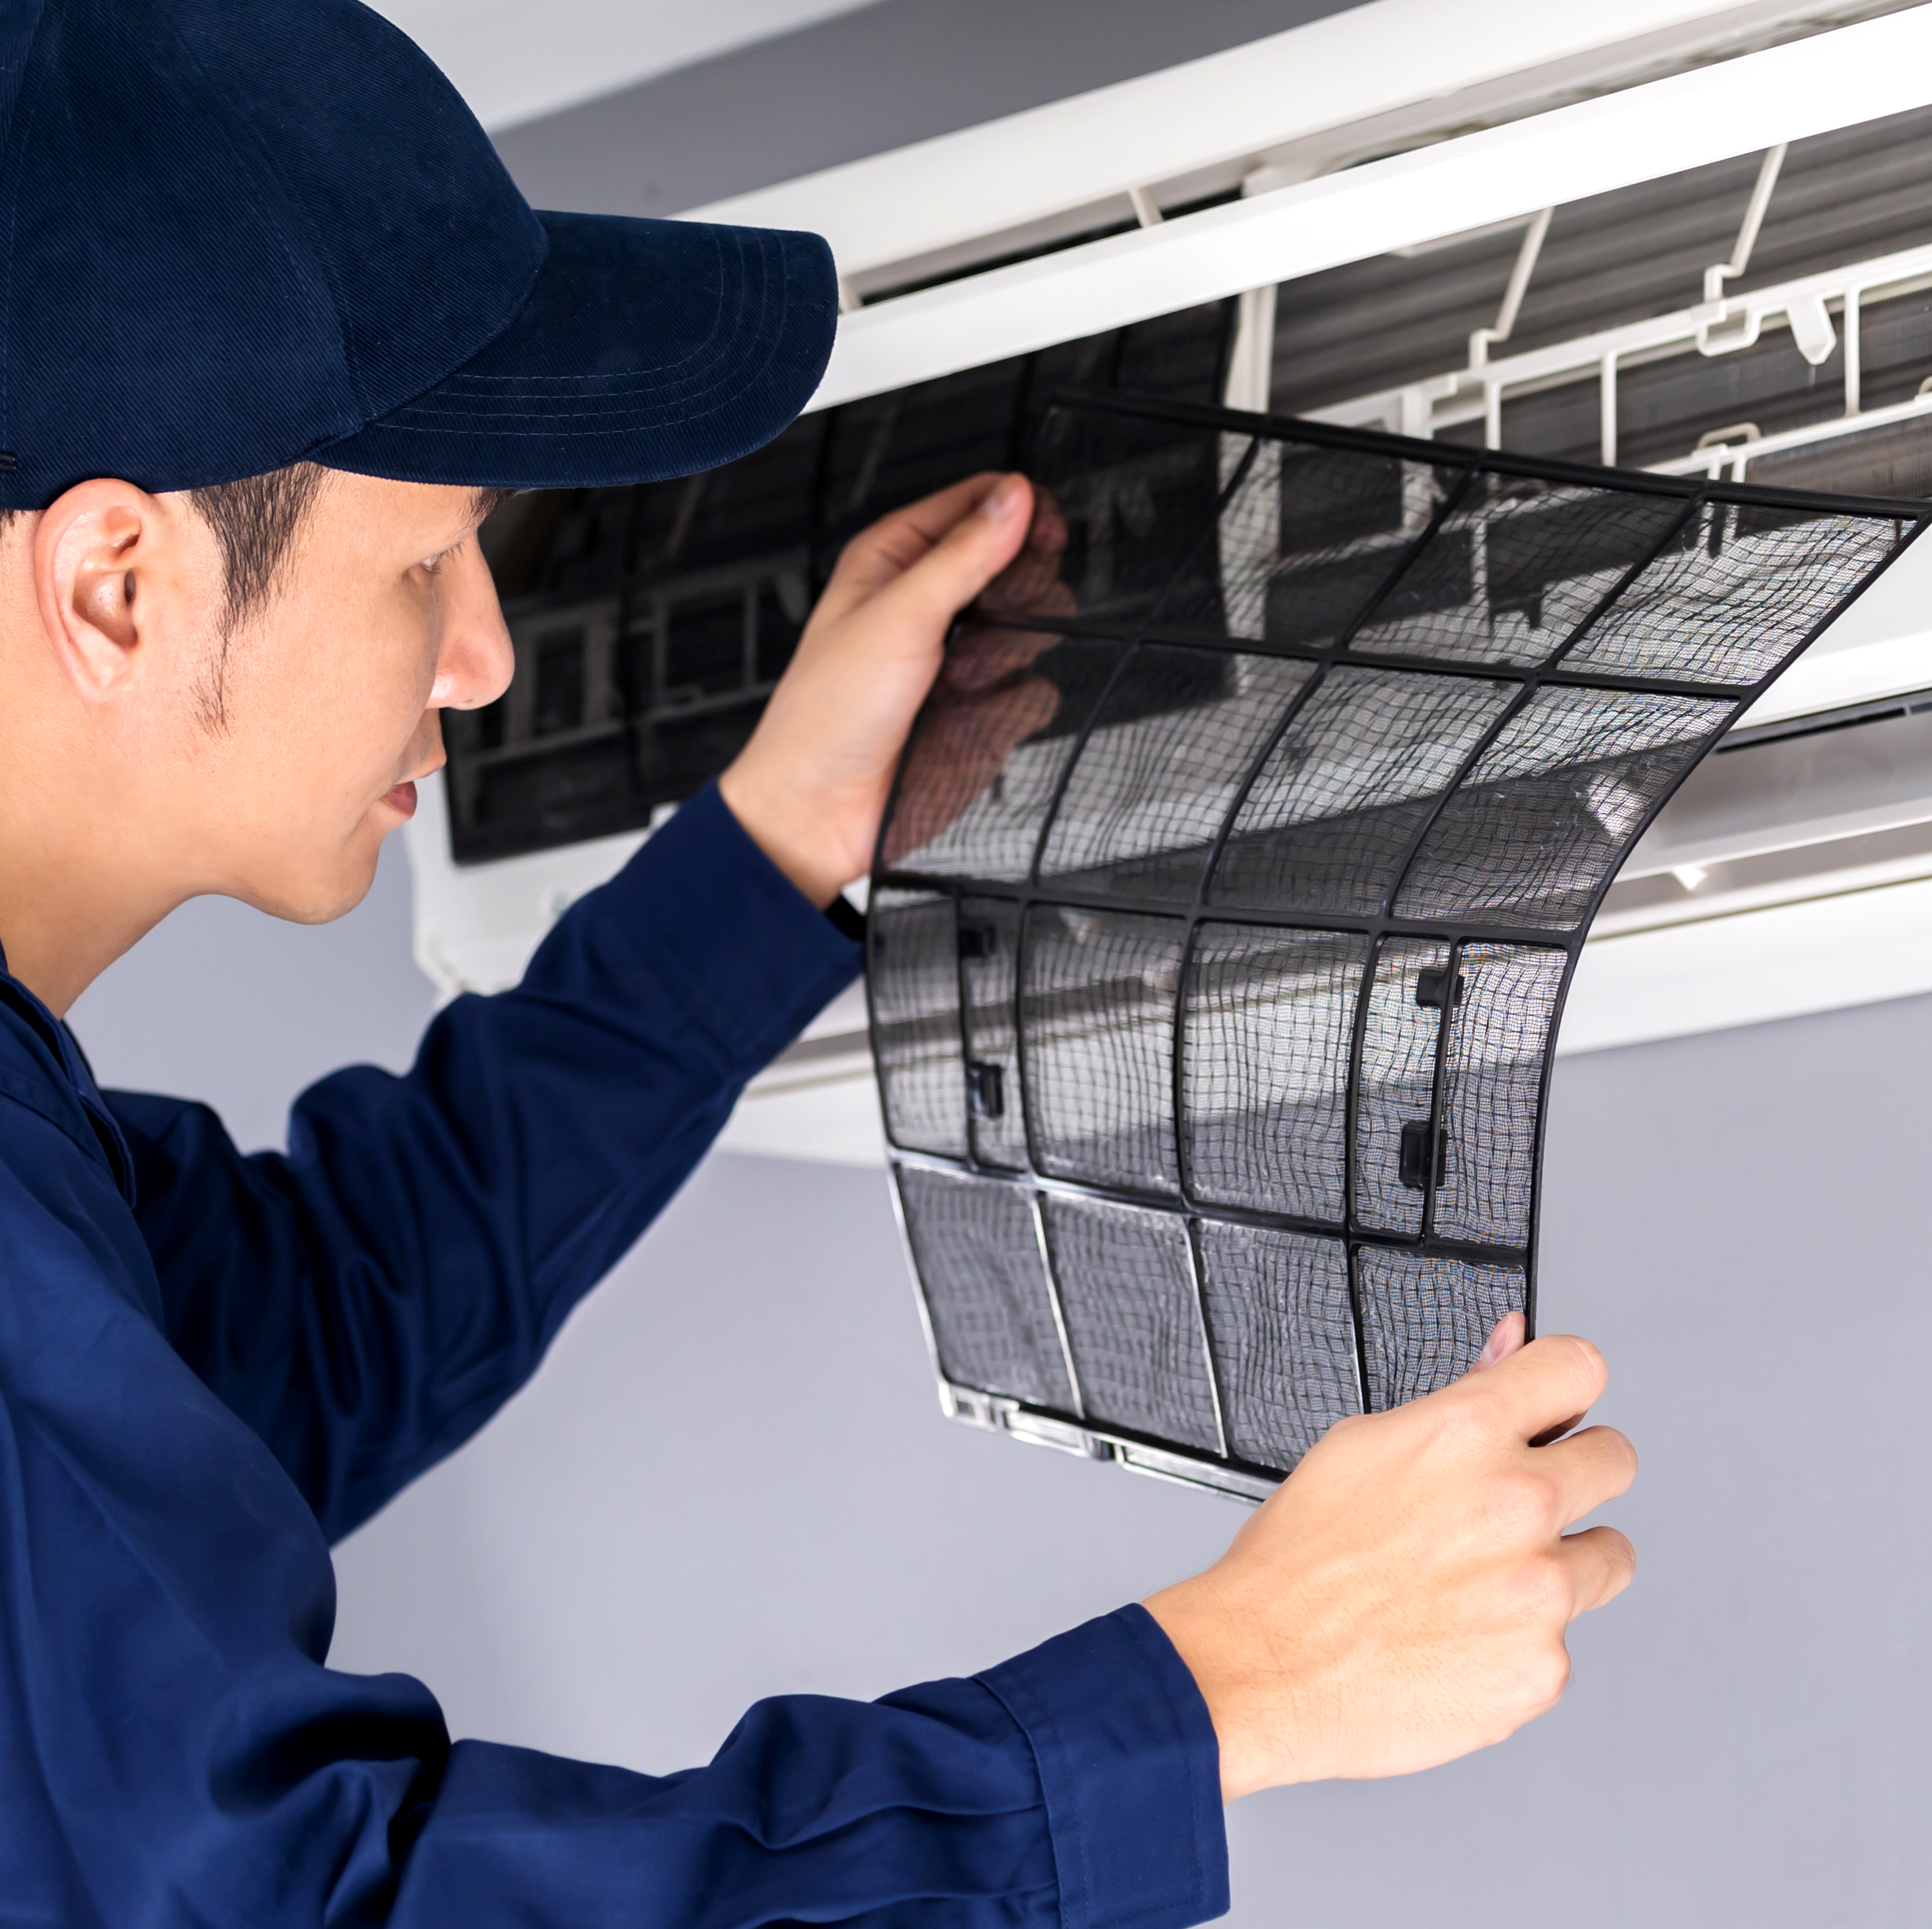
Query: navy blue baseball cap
{"points": [[237, 234]]}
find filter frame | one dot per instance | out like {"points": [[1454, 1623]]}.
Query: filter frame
{"points": [[1443, 956]]}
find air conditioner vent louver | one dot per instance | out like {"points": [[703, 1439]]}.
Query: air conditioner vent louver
{"points": [[1261, 936]]}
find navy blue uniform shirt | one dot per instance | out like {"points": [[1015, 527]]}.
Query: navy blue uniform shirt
{"points": [[212, 1366]]}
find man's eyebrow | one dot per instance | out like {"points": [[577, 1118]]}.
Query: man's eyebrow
{"points": [[486, 503]]}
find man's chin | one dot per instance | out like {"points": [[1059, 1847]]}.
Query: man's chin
{"points": [[317, 900]]}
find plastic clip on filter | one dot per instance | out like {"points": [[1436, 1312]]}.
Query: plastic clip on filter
{"points": [[1212, 1020]]}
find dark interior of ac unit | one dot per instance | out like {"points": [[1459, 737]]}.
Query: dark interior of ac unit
{"points": [[650, 623]]}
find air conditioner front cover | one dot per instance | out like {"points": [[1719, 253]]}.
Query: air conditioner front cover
{"points": [[1212, 1018]]}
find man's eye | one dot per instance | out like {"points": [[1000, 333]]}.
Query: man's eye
{"points": [[433, 565]]}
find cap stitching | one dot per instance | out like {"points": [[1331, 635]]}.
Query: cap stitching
{"points": [[689, 397], [774, 301], [456, 376], [458, 381], [668, 390]]}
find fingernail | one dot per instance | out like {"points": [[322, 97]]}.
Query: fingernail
{"points": [[1003, 500], [1501, 1343]]}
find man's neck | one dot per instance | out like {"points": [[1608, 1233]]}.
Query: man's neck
{"points": [[63, 919], [84, 862]]}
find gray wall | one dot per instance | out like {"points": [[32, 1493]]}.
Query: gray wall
{"points": [[879, 78], [224, 1005]]}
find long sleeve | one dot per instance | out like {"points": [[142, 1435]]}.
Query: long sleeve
{"points": [[366, 1302], [175, 1753]]}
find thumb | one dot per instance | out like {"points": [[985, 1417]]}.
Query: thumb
{"points": [[1506, 1339], [934, 589]]}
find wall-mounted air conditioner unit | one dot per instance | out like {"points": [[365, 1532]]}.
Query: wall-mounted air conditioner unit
{"points": [[1672, 236]]}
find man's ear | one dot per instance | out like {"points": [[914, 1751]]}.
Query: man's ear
{"points": [[95, 551]]}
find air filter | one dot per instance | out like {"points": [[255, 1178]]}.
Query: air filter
{"points": [[1212, 1018]]}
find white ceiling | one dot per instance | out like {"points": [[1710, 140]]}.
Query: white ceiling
{"points": [[514, 60]]}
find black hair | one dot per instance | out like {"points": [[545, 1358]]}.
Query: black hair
{"points": [[256, 521]]}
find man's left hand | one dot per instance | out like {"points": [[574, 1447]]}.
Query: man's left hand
{"points": [[811, 786]]}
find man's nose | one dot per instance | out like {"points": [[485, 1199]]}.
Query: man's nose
{"points": [[476, 662]]}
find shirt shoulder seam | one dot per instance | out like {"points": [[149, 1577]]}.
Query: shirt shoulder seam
{"points": [[23, 1093]]}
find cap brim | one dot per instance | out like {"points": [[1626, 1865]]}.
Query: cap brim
{"points": [[646, 349]]}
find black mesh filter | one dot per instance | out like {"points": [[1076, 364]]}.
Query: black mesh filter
{"points": [[1283, 1339], [993, 1320], [914, 970], [1132, 1303], [1264, 1061], [1213, 1016], [1096, 1027]]}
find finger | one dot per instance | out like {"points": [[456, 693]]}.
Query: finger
{"points": [[980, 732], [1029, 589], [1601, 1563], [978, 546], [1544, 1383], [980, 658], [897, 542], [1034, 574], [960, 749], [1589, 1468], [1551, 1434], [962, 746], [1049, 522], [1505, 1337]]}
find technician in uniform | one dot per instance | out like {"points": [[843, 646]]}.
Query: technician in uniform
{"points": [[274, 326]]}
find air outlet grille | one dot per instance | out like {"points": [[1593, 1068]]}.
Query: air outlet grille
{"points": [[1212, 1017]]}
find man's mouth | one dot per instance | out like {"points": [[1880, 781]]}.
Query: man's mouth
{"points": [[401, 798]]}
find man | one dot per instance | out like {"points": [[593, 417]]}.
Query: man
{"points": [[274, 327]]}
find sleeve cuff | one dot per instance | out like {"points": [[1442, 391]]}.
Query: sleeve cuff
{"points": [[753, 961], [847, 918], [1130, 1771]]}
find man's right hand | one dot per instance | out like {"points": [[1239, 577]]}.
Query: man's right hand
{"points": [[1403, 1597]]}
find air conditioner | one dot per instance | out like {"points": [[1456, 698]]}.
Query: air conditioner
{"points": [[1666, 236]]}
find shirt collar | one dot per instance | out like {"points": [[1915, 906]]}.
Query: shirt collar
{"points": [[70, 1063]]}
